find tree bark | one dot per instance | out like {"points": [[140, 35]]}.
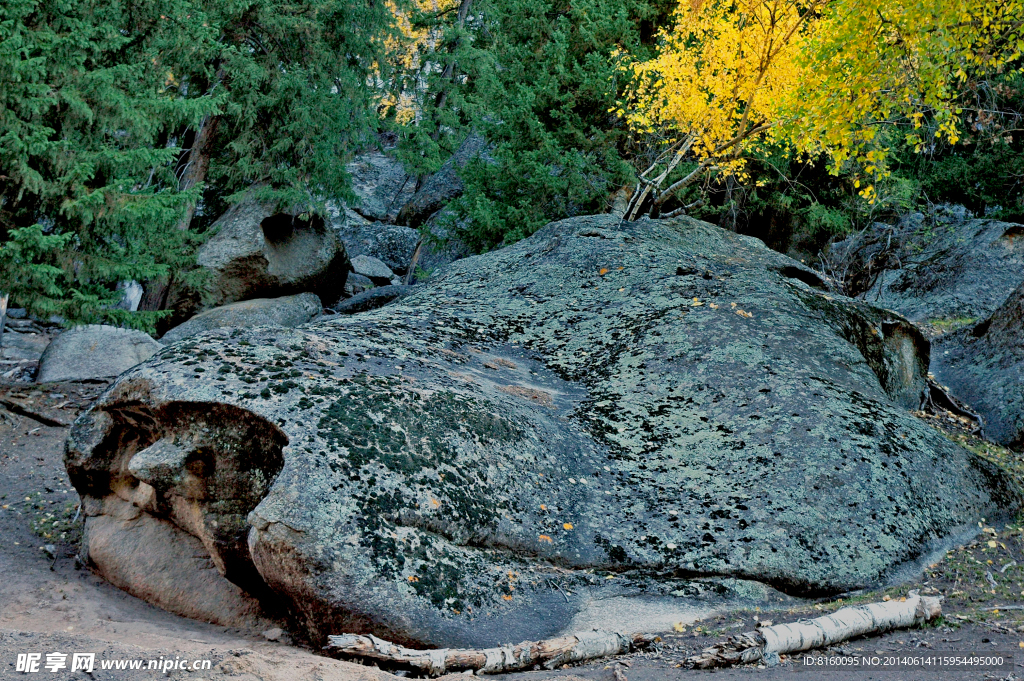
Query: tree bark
{"points": [[549, 653], [156, 292], [770, 642]]}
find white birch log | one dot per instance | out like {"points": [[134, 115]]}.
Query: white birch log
{"points": [[768, 642], [549, 653]]}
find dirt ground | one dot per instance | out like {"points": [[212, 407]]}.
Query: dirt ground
{"points": [[50, 603]]}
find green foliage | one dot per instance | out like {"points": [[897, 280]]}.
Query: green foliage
{"points": [[539, 87], [101, 101]]}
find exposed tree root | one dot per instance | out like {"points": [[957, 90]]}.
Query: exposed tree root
{"points": [[22, 410]]}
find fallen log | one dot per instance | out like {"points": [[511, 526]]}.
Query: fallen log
{"points": [[549, 653], [768, 643]]}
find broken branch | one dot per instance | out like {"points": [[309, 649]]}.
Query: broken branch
{"points": [[549, 653], [770, 642]]}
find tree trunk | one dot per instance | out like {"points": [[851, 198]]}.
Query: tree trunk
{"points": [[770, 642], [549, 653], [4, 298], [156, 291]]}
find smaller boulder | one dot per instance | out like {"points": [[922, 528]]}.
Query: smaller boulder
{"points": [[372, 268], [356, 284], [287, 311], [94, 352], [257, 254], [372, 299]]}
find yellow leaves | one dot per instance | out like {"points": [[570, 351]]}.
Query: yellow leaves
{"points": [[507, 597], [887, 598], [993, 544], [413, 578], [680, 629], [713, 306], [434, 502], [822, 77], [543, 507], [744, 313], [567, 526], [696, 303], [603, 271], [544, 538]]}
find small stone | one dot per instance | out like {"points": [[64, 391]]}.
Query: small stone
{"points": [[274, 634]]}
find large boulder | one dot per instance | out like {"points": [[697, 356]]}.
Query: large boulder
{"points": [[286, 311], [984, 366], [949, 271], [259, 254], [380, 184], [394, 245], [661, 402], [94, 352]]}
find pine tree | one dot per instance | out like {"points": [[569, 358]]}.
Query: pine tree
{"points": [[117, 118], [537, 78]]}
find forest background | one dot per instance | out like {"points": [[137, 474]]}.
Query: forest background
{"points": [[127, 127]]}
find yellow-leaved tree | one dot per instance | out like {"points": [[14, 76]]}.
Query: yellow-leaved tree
{"points": [[816, 76]]}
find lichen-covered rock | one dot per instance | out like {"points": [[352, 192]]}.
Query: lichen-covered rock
{"points": [[256, 254], [284, 311], [951, 272], [984, 366], [93, 352], [657, 402]]}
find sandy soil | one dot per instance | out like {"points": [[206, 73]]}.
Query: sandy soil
{"points": [[49, 602]]}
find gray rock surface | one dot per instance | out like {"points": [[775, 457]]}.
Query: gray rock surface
{"points": [[984, 366], [373, 269], [258, 255], [91, 352], [286, 311], [664, 402], [442, 186], [23, 344], [951, 271], [381, 185], [378, 296], [393, 245]]}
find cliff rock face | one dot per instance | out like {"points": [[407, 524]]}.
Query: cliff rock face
{"points": [[661, 401]]}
